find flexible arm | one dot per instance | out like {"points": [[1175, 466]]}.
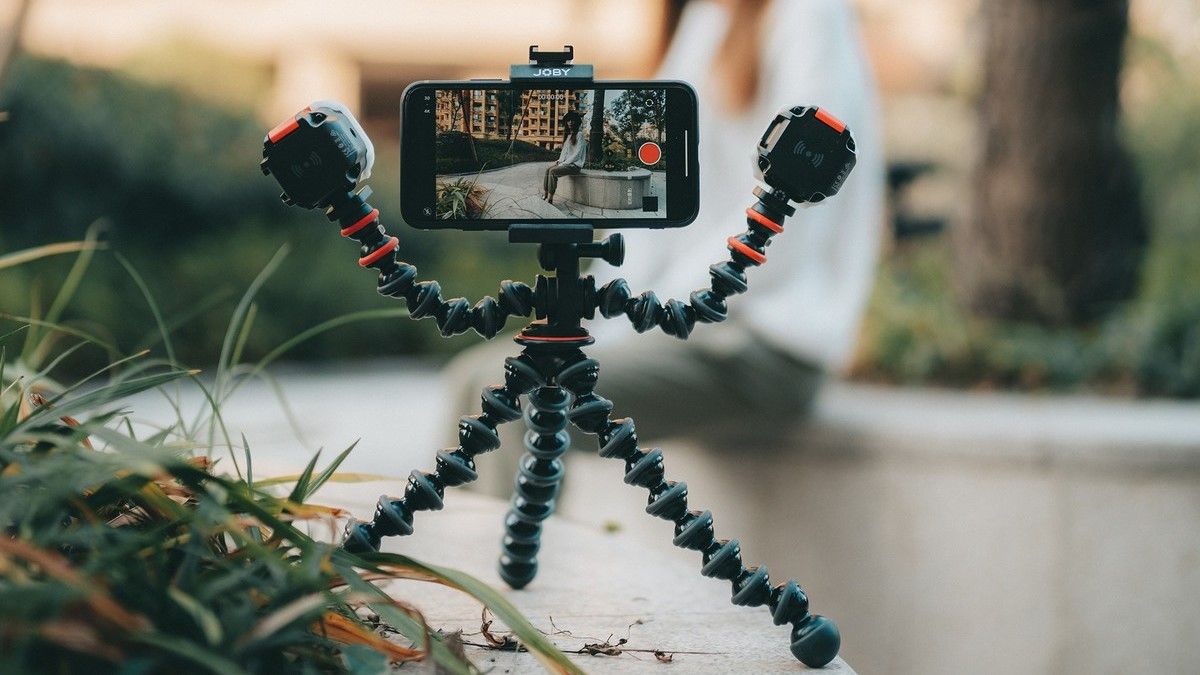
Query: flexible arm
{"points": [[707, 305], [398, 279], [804, 156], [319, 156]]}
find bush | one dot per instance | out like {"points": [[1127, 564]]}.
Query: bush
{"points": [[176, 182], [915, 331], [454, 153]]}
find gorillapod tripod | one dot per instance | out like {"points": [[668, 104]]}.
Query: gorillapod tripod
{"points": [[552, 371]]}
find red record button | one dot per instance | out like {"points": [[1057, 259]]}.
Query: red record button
{"points": [[649, 153]]}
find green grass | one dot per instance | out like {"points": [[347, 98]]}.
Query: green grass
{"points": [[129, 551]]}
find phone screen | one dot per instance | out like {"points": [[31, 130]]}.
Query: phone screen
{"points": [[614, 154]]}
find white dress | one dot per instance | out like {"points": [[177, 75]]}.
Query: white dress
{"points": [[808, 299]]}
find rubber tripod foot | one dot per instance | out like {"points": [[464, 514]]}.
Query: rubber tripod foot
{"points": [[517, 573], [816, 641]]}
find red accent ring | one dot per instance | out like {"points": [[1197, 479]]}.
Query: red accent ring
{"points": [[764, 221], [745, 250], [379, 252], [553, 338], [362, 222]]}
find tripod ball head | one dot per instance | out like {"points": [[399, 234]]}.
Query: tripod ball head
{"points": [[806, 153], [318, 155]]}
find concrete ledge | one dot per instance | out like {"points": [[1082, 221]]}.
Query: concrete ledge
{"points": [[606, 189], [945, 532], [1085, 432], [952, 532], [593, 586]]}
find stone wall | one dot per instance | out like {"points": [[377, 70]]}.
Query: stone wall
{"points": [[954, 532]]}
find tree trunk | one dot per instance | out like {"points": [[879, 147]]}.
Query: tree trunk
{"points": [[464, 102], [522, 103], [1056, 233], [595, 153]]}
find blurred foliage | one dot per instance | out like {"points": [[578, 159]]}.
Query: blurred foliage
{"points": [[453, 152], [175, 181], [915, 331], [187, 64]]}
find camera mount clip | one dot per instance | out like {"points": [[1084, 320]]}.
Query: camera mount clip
{"points": [[552, 68]]}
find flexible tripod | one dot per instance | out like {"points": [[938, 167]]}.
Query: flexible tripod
{"points": [[552, 371], [559, 382]]}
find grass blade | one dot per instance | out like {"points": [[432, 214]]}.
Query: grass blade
{"points": [[300, 491], [244, 333], [237, 321], [206, 621], [344, 477], [35, 322], [249, 462], [35, 353], [316, 483], [537, 643], [324, 326], [23, 256], [188, 650], [154, 310], [86, 402]]}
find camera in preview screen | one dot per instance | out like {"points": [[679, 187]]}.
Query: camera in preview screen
{"points": [[540, 154]]}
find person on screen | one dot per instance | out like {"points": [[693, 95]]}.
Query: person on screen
{"points": [[749, 381], [570, 158]]}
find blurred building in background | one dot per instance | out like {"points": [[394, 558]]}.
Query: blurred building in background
{"points": [[362, 53], [539, 121]]}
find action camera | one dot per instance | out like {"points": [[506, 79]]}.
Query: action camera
{"points": [[806, 153], [317, 155]]}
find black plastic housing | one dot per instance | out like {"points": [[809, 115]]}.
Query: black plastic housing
{"points": [[806, 153], [317, 156]]}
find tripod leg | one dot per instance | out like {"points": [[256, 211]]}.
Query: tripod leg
{"points": [[455, 466], [815, 639], [537, 484]]}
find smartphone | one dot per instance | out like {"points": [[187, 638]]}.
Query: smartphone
{"points": [[483, 155]]}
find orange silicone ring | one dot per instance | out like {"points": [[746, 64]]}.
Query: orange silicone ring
{"points": [[362, 222], [379, 252], [746, 251], [764, 221]]}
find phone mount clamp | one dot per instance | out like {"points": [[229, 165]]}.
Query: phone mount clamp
{"points": [[320, 156]]}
